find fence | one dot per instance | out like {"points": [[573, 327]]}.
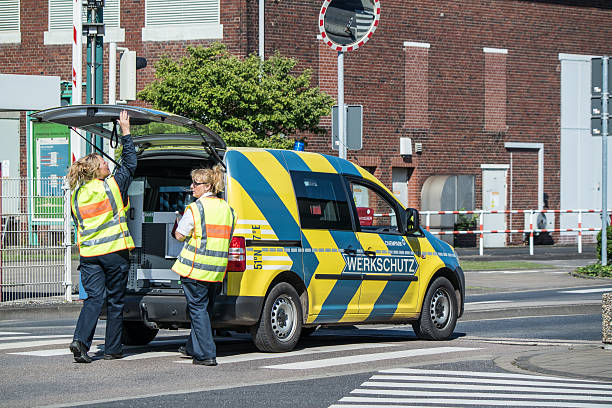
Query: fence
{"points": [[531, 230], [34, 239]]}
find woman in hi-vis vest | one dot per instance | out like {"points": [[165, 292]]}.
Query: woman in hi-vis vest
{"points": [[208, 224], [99, 204]]}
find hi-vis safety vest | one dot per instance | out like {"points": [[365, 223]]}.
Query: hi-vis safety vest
{"points": [[204, 256], [100, 215]]}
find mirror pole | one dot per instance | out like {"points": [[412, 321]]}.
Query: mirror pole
{"points": [[341, 110]]}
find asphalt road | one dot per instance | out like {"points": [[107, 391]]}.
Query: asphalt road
{"points": [[367, 365]]}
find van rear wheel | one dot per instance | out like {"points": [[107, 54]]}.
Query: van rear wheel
{"points": [[439, 313], [280, 324], [137, 334]]}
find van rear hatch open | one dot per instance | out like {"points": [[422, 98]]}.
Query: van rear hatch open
{"points": [[168, 148]]}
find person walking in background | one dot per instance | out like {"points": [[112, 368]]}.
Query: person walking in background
{"points": [[209, 224], [99, 203]]}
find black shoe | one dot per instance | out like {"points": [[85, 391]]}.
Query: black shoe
{"points": [[206, 362], [184, 352], [115, 356], [79, 351]]}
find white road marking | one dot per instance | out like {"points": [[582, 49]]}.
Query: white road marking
{"points": [[312, 350], [415, 388], [487, 301], [450, 394], [153, 354], [596, 290], [478, 387], [10, 334], [477, 374], [418, 402], [515, 271], [49, 336], [36, 343], [363, 358], [57, 352]]}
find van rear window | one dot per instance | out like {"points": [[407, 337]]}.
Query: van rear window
{"points": [[322, 201]]}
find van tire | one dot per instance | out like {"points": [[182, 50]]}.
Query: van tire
{"points": [[439, 313], [280, 324], [137, 334]]}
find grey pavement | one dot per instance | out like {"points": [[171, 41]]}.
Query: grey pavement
{"points": [[578, 361]]}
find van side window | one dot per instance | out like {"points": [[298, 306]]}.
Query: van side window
{"points": [[322, 201], [375, 212]]}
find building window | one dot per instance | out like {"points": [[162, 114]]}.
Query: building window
{"points": [[9, 22], [182, 20], [60, 22]]}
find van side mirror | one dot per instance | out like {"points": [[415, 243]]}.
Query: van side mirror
{"points": [[412, 221]]}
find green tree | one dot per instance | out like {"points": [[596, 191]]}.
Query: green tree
{"points": [[248, 103]]}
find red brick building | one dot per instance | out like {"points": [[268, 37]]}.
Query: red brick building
{"points": [[496, 90]]}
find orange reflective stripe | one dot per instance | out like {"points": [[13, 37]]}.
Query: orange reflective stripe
{"points": [[92, 210], [218, 231]]}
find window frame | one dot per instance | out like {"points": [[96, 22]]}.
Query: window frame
{"points": [[399, 211], [340, 183], [181, 31], [12, 36], [63, 36]]}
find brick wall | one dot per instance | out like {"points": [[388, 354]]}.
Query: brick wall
{"points": [[456, 129]]}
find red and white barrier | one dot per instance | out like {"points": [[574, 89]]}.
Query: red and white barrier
{"points": [[481, 231]]}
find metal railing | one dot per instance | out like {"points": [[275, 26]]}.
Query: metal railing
{"points": [[531, 230], [35, 239]]}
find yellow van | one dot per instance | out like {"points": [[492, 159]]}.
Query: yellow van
{"points": [[319, 241]]}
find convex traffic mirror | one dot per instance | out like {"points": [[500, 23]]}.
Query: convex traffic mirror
{"points": [[347, 24]]}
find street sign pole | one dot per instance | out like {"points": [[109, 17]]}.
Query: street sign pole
{"points": [[341, 111], [346, 25], [604, 162]]}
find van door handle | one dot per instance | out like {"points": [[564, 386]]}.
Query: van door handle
{"points": [[370, 254], [350, 251]]}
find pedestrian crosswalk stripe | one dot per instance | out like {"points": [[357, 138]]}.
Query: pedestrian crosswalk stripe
{"points": [[419, 402], [475, 386], [10, 334], [410, 387], [450, 394], [445, 379], [363, 358], [477, 374]]}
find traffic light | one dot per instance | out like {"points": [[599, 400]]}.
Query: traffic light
{"points": [[597, 95], [128, 64]]}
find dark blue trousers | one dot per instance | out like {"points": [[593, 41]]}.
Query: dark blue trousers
{"points": [[200, 297], [103, 277]]}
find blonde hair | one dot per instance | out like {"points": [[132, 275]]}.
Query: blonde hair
{"points": [[215, 177], [83, 170]]}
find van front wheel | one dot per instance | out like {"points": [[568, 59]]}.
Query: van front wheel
{"points": [[439, 312], [280, 324]]}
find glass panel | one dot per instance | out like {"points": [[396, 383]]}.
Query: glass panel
{"points": [[374, 211], [322, 202]]}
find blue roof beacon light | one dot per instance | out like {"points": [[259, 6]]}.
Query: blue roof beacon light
{"points": [[298, 145]]}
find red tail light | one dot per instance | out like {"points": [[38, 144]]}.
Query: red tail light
{"points": [[237, 255]]}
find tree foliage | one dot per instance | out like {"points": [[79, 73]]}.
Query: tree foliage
{"points": [[247, 102]]}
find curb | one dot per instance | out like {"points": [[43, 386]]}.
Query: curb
{"points": [[59, 311]]}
